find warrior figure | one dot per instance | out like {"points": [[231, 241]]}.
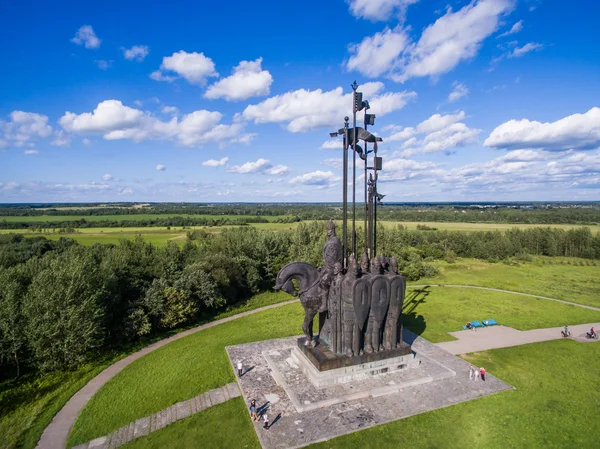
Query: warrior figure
{"points": [[348, 314], [379, 306], [332, 253], [393, 331]]}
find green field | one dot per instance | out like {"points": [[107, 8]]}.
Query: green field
{"points": [[132, 217], [197, 363]]}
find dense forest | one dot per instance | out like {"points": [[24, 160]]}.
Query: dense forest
{"points": [[62, 303], [588, 213]]}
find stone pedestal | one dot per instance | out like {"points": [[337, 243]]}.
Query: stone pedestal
{"points": [[363, 367]]}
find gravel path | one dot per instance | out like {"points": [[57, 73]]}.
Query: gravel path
{"points": [[55, 435]]}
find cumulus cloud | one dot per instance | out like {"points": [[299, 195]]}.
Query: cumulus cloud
{"points": [[31, 152], [85, 36], [257, 166], [517, 27], [24, 128], [107, 177], [215, 162], [194, 67], [61, 139], [574, 132], [460, 90], [439, 133], [382, 10], [116, 121], [248, 80], [244, 138], [303, 110], [161, 167], [279, 170], [170, 110], [454, 37], [135, 53], [316, 178]]}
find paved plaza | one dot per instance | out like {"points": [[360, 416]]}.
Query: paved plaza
{"points": [[301, 414]]}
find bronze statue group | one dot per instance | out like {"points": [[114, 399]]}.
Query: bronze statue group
{"points": [[359, 309]]}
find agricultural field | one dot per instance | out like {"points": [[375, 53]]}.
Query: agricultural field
{"points": [[129, 217]]}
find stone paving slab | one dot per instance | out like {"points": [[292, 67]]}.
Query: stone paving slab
{"points": [[440, 381]]}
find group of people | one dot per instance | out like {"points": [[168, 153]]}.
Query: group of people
{"points": [[476, 373], [591, 334], [255, 416]]}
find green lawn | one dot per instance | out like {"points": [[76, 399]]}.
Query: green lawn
{"points": [[28, 405], [194, 364], [222, 426], [176, 372], [580, 284]]}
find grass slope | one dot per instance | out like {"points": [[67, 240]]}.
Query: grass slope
{"points": [[198, 363], [545, 277]]}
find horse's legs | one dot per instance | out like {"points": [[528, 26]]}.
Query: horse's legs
{"points": [[307, 326]]}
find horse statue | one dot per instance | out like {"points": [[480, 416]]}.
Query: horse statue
{"points": [[311, 293]]}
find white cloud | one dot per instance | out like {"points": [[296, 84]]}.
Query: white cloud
{"points": [[258, 166], [460, 90], [170, 110], [316, 178], [304, 110], [574, 132], [126, 191], [335, 162], [379, 9], [86, 141], [379, 53], [437, 122], [517, 27], [86, 36], [136, 53], [107, 177], [194, 67], [24, 128], [279, 170], [440, 133], [215, 162], [161, 167], [401, 169], [30, 152], [244, 138], [116, 121], [248, 80], [61, 139], [336, 144], [520, 51], [454, 37], [102, 64]]}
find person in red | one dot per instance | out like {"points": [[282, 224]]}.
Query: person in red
{"points": [[482, 371]]}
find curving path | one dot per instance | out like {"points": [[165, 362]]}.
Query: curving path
{"points": [[55, 435]]}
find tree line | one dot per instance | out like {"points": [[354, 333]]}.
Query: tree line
{"points": [[62, 303]]}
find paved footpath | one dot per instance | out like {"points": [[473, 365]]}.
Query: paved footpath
{"points": [[493, 337], [55, 435], [158, 420]]}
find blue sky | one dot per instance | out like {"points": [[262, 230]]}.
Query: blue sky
{"points": [[485, 100]]}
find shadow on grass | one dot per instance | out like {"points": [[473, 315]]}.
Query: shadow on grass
{"points": [[411, 320]]}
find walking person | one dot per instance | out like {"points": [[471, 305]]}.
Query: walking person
{"points": [[476, 374], [266, 418], [253, 413], [482, 371], [471, 372], [239, 367]]}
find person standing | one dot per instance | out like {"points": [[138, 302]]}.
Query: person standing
{"points": [[476, 374], [253, 414], [266, 419], [471, 372], [482, 371], [239, 367]]}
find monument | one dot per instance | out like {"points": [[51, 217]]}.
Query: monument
{"points": [[361, 368]]}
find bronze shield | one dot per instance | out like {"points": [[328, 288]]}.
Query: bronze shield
{"points": [[380, 298], [397, 292], [361, 300]]}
